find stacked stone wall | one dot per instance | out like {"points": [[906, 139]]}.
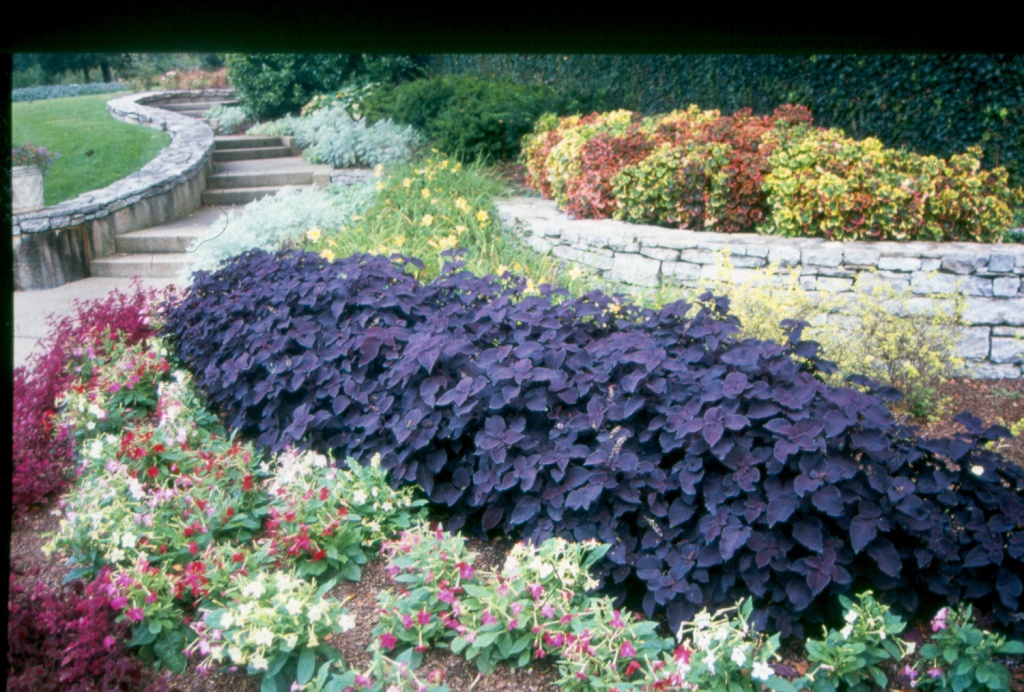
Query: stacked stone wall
{"points": [[989, 276]]}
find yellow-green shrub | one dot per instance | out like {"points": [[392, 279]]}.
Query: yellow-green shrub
{"points": [[822, 182], [901, 340]]}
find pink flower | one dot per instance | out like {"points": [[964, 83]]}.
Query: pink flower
{"points": [[536, 590], [682, 654], [935, 672], [465, 570], [539, 653], [114, 387], [517, 608], [446, 596], [407, 621], [627, 650], [939, 622], [617, 622], [513, 624], [109, 642], [136, 614], [119, 602], [423, 617], [547, 610], [388, 641], [633, 667], [487, 618], [151, 597], [363, 680]]}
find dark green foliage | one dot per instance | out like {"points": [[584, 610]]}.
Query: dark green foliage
{"points": [[466, 116], [932, 104], [275, 84]]}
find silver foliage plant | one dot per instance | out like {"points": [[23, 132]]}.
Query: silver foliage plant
{"points": [[332, 136], [274, 222]]}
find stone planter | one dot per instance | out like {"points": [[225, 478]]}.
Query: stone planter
{"points": [[26, 188]]}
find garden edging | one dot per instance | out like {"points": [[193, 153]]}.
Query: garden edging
{"points": [[54, 245], [990, 275]]}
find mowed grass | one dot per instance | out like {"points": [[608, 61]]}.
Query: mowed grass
{"points": [[95, 150]]}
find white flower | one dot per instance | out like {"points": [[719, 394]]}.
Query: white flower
{"points": [[978, 470], [236, 654], [738, 657], [291, 640], [293, 607], [263, 637], [116, 555], [761, 671], [258, 662], [846, 631], [253, 589], [346, 622], [316, 612], [851, 616], [227, 620], [359, 497]]}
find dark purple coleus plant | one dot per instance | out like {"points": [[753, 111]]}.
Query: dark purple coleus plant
{"points": [[716, 467]]}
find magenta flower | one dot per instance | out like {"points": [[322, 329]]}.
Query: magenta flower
{"points": [[935, 672], [363, 680], [487, 618], [617, 622], [465, 571], [114, 387], [627, 650], [423, 617], [547, 610], [407, 621], [939, 622], [446, 596], [136, 614], [119, 602], [513, 624], [517, 608], [536, 590], [539, 653], [109, 642], [388, 641]]}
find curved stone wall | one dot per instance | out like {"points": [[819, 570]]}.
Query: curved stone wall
{"points": [[990, 275], [54, 245]]}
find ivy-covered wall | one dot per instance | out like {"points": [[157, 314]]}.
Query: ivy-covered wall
{"points": [[933, 104]]}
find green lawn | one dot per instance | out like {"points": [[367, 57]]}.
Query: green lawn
{"points": [[95, 150]]}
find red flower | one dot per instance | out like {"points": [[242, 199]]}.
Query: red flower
{"points": [[324, 494], [153, 472], [193, 547], [388, 641], [247, 482]]}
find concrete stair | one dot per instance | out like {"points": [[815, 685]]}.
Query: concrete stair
{"points": [[244, 169]]}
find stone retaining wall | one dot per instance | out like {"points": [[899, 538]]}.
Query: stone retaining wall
{"points": [[54, 245], [990, 275]]}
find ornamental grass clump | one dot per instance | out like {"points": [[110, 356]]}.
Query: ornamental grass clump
{"points": [[716, 467]]}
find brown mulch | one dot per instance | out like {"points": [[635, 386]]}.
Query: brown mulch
{"points": [[993, 401]]}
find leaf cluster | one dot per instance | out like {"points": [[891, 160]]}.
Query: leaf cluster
{"points": [[715, 467]]}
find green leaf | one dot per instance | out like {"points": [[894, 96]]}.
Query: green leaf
{"points": [[307, 664], [168, 649], [520, 645], [155, 626], [277, 663], [878, 677], [141, 635], [485, 640], [1012, 648], [780, 684], [327, 586], [268, 683]]}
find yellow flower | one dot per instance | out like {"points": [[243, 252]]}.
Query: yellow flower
{"points": [[427, 220], [482, 216], [313, 234], [407, 182], [426, 193], [575, 273], [399, 241], [446, 243], [460, 229], [379, 185], [378, 171], [444, 164], [327, 254], [461, 204], [332, 242]]}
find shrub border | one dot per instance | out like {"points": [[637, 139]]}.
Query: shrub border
{"points": [[54, 245]]}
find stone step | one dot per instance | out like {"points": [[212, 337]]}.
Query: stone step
{"points": [[240, 195], [232, 142], [251, 153], [222, 181], [158, 240], [150, 266]]}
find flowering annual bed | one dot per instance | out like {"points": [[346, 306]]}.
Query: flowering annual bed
{"points": [[199, 550]]}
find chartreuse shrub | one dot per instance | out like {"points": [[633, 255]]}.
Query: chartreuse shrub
{"points": [[877, 330], [770, 174], [824, 183], [430, 207], [466, 117], [716, 467]]}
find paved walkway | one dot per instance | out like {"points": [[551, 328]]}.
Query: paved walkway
{"points": [[32, 308]]}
